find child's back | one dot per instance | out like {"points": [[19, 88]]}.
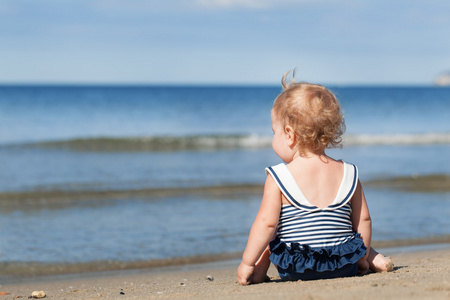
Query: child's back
{"points": [[315, 238], [319, 179]]}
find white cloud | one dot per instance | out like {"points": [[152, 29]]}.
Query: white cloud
{"points": [[123, 6], [177, 5], [232, 3], [252, 4]]}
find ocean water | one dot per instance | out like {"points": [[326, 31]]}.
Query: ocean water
{"points": [[81, 167]]}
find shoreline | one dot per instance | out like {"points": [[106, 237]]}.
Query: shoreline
{"points": [[418, 274], [17, 272]]}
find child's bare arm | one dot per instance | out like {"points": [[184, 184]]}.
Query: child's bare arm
{"points": [[262, 230], [360, 217], [363, 224]]}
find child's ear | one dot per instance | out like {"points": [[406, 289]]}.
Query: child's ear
{"points": [[290, 134]]}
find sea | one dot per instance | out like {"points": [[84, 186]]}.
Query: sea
{"points": [[140, 173]]}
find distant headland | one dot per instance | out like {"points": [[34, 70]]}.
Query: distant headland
{"points": [[443, 79]]}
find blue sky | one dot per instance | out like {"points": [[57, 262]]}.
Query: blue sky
{"points": [[223, 41]]}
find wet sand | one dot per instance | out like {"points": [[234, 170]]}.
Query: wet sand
{"points": [[433, 183], [423, 274], [26, 271]]}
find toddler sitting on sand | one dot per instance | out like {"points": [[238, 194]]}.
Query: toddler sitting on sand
{"points": [[313, 222]]}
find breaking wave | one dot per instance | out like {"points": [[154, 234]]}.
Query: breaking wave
{"points": [[221, 142], [397, 139], [159, 143]]}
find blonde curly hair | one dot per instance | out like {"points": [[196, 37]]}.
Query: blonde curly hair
{"points": [[313, 112]]}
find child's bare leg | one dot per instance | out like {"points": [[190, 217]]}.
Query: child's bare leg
{"points": [[378, 262], [261, 267]]}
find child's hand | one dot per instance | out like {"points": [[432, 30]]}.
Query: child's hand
{"points": [[244, 274]]}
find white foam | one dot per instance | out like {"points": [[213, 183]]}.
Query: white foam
{"points": [[397, 139]]}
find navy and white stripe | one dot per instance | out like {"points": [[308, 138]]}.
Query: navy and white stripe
{"points": [[318, 228], [307, 224]]}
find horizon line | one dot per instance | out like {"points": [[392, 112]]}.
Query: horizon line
{"points": [[209, 84]]}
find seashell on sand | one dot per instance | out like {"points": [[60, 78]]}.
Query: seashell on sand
{"points": [[38, 294]]}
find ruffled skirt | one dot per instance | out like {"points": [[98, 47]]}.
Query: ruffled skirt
{"points": [[301, 262]]}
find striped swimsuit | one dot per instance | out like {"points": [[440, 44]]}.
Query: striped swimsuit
{"points": [[314, 242]]}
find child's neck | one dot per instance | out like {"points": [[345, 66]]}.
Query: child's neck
{"points": [[319, 155], [311, 155]]}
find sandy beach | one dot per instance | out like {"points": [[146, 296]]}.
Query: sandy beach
{"points": [[420, 274]]}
